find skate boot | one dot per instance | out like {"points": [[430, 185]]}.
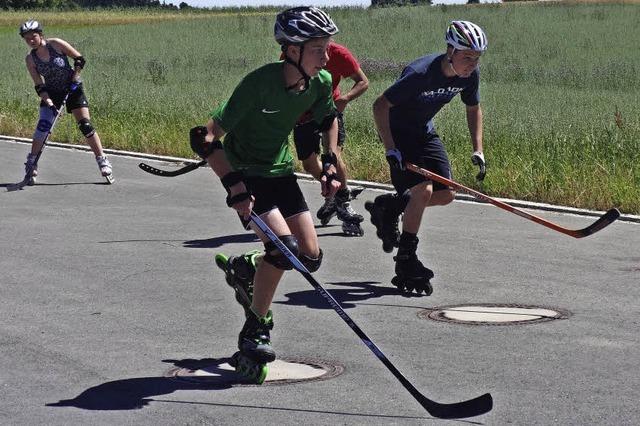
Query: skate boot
{"points": [[31, 165], [105, 168], [350, 219], [411, 274], [254, 340], [327, 211], [344, 210], [250, 370], [239, 272], [385, 218]]}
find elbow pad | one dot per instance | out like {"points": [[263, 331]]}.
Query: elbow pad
{"points": [[79, 62]]}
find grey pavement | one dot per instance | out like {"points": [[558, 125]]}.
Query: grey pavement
{"points": [[104, 289]]}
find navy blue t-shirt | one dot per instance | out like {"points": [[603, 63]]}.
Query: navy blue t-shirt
{"points": [[422, 90]]}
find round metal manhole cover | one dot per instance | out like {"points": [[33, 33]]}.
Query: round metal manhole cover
{"points": [[282, 371], [494, 314]]}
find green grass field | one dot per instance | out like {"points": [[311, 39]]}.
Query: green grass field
{"points": [[560, 87]]}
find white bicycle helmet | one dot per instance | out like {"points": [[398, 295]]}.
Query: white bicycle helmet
{"points": [[465, 35], [30, 25], [300, 24]]}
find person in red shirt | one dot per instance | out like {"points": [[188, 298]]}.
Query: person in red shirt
{"points": [[307, 138]]}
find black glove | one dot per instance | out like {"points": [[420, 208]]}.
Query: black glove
{"points": [[198, 143], [478, 160], [74, 85], [394, 158]]}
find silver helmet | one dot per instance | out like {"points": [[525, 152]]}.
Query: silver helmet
{"points": [[465, 35], [30, 25], [300, 24]]}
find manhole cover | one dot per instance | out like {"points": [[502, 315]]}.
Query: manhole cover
{"points": [[494, 314], [284, 370]]}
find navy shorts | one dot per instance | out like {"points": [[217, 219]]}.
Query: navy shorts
{"points": [[426, 151], [77, 99], [307, 136], [282, 193]]}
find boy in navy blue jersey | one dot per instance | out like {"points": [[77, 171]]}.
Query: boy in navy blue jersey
{"points": [[404, 119]]}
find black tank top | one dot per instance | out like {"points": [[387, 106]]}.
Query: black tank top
{"points": [[56, 72]]}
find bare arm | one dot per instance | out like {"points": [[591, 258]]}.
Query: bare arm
{"points": [[330, 145], [361, 84], [474, 121], [37, 79], [330, 138], [221, 167], [381, 108]]}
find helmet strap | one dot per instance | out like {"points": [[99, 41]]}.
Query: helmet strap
{"points": [[298, 66], [449, 58]]}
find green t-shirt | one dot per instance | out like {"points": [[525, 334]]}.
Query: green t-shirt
{"points": [[261, 113]]}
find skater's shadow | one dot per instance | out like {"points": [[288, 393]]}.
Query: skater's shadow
{"points": [[220, 241], [135, 393], [14, 185], [331, 234], [357, 291]]}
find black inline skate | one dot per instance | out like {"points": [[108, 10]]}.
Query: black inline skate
{"points": [[385, 217], [254, 340], [411, 274], [350, 219], [248, 369], [239, 272]]}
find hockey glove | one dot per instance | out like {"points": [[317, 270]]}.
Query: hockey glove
{"points": [[394, 158], [478, 160], [199, 145]]}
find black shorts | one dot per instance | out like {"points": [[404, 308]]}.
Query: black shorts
{"points": [[282, 193], [427, 152], [307, 136], [76, 99]]}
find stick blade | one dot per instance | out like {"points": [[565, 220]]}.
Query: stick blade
{"points": [[458, 410], [605, 220], [18, 186], [166, 173]]}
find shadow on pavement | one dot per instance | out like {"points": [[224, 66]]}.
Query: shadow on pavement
{"points": [[136, 393], [358, 291], [220, 241], [131, 394]]}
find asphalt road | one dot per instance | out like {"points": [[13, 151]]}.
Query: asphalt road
{"points": [[104, 289]]}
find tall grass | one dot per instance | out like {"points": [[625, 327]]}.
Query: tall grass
{"points": [[560, 87]]}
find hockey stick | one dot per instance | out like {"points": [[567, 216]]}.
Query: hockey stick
{"points": [[470, 408], [166, 173], [603, 221], [29, 172]]}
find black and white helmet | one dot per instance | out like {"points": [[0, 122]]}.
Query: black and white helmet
{"points": [[30, 25], [300, 24], [465, 35]]}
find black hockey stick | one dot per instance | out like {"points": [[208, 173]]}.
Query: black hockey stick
{"points": [[28, 175], [603, 221], [166, 173], [470, 408]]}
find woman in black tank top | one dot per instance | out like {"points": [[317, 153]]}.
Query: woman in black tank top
{"points": [[54, 78]]}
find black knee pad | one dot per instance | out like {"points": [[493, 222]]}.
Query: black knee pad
{"points": [[275, 257], [86, 128], [312, 264]]}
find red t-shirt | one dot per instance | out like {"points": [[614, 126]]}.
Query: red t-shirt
{"points": [[341, 64]]}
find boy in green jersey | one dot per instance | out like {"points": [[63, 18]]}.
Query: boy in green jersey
{"points": [[256, 167]]}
